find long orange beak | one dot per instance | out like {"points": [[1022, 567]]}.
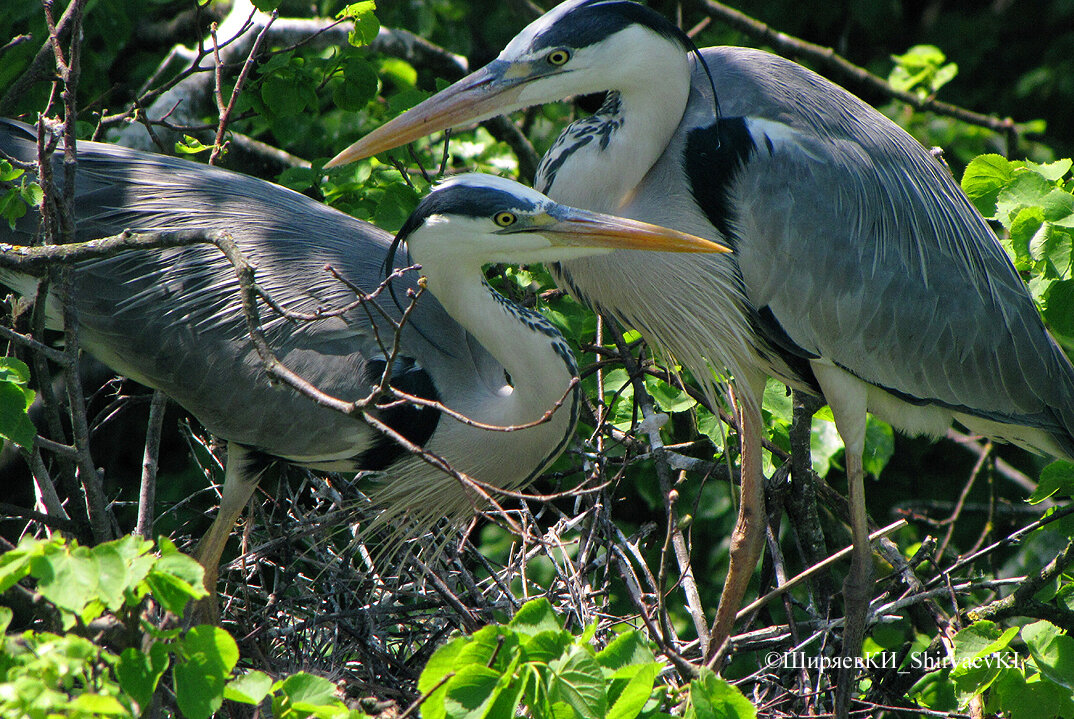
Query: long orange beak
{"points": [[582, 228], [478, 96]]}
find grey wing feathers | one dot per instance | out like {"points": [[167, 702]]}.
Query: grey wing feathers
{"points": [[172, 318], [897, 278]]}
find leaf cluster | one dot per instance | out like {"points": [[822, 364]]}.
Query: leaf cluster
{"points": [[44, 674], [532, 662]]}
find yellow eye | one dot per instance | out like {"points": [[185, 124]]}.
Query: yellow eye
{"points": [[558, 57], [505, 219]]}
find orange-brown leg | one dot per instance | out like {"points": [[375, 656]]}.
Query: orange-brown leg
{"points": [[747, 541], [239, 486]]}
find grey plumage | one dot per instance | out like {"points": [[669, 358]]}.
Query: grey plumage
{"points": [[859, 269], [172, 319]]}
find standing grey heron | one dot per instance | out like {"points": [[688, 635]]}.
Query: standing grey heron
{"points": [[172, 319], [859, 271]]}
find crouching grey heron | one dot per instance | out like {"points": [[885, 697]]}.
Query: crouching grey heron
{"points": [[859, 271], [172, 319]]}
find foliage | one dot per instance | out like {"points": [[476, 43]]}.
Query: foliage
{"points": [[1034, 204], [15, 401], [922, 69], [533, 663], [44, 674], [312, 100], [1033, 682]]}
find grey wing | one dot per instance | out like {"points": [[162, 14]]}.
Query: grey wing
{"points": [[172, 319], [895, 277]]}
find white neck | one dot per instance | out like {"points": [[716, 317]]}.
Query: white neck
{"points": [[651, 104], [536, 361]]}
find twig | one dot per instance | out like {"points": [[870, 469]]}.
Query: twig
{"points": [[840, 66], [226, 110], [824, 564], [150, 461]]}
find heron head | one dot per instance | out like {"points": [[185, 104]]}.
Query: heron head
{"points": [[473, 220], [579, 47]]}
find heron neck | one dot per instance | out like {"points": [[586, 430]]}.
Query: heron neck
{"points": [[534, 355], [598, 161]]}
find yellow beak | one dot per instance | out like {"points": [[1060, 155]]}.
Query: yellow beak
{"points": [[480, 95]]}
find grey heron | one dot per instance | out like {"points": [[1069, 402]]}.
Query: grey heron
{"points": [[172, 319], [859, 271]]}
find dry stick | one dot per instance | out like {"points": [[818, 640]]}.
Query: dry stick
{"points": [[37, 70], [801, 502], [96, 504], [961, 502], [1021, 600], [35, 260], [802, 576], [663, 473], [226, 110], [829, 59], [150, 457], [43, 486]]}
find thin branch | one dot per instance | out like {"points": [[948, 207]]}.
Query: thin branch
{"points": [[839, 66], [150, 463]]}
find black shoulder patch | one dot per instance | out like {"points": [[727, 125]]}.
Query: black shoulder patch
{"points": [[713, 156], [416, 424]]}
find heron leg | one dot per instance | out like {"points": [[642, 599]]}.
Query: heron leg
{"points": [[858, 585], [239, 486], [747, 540]]}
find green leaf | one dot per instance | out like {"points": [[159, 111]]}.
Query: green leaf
{"points": [[1056, 477], [1026, 189], [5, 619], [1053, 652], [879, 445], [395, 205], [578, 681], [546, 646], [632, 699], [366, 25], [713, 698], [14, 370], [977, 662], [824, 445], [8, 172], [138, 673], [97, 705], [535, 616], [250, 688], [1022, 699], [1051, 171], [208, 654], [15, 424], [15, 564], [113, 576], [190, 145], [985, 176], [67, 578], [1026, 225], [1059, 307], [629, 648], [471, 691], [309, 692], [32, 194], [358, 87], [670, 399]]}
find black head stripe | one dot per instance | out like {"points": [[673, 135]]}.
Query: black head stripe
{"points": [[593, 21], [464, 199]]}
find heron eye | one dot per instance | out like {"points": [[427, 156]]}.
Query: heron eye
{"points": [[558, 57], [504, 219]]}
